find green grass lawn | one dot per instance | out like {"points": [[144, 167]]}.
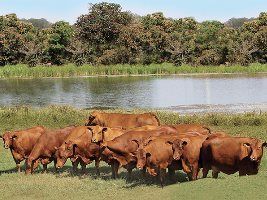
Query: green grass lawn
{"points": [[68, 186], [70, 70]]}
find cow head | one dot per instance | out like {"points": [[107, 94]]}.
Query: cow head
{"points": [[254, 149], [141, 154], [61, 156], [8, 138], [177, 147], [97, 133], [93, 119], [65, 151]]}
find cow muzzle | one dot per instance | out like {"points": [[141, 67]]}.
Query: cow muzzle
{"points": [[139, 167], [254, 159]]}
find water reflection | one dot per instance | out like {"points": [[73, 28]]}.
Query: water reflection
{"points": [[136, 92]]}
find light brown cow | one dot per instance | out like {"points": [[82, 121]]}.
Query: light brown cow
{"points": [[124, 121], [232, 154], [182, 128], [22, 142], [80, 148], [104, 134], [45, 148]]}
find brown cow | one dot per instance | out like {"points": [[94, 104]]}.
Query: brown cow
{"points": [[157, 156], [22, 142], [104, 134], [124, 147], [80, 148], [124, 121], [232, 154], [182, 128], [62, 154], [45, 148], [192, 143]]}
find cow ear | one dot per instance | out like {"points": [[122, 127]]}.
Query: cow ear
{"points": [[90, 128], [104, 129], [264, 144], [184, 143], [169, 142], [14, 136], [247, 149], [56, 148], [148, 154]]}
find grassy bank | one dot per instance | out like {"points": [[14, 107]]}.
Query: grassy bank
{"points": [[22, 71], [67, 185]]}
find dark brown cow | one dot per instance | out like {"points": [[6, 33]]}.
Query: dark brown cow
{"points": [[124, 121], [45, 148], [232, 154], [80, 148], [22, 142]]}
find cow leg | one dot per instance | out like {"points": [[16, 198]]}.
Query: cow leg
{"points": [[195, 170], [18, 166], [83, 165], [129, 175], [162, 174], [44, 168], [97, 161], [144, 172], [28, 166], [205, 172], [35, 164], [55, 166], [75, 166], [171, 173], [215, 172], [115, 169]]}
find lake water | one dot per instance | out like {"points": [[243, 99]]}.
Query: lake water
{"points": [[185, 94]]}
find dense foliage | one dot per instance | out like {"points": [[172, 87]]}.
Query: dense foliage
{"points": [[107, 35]]}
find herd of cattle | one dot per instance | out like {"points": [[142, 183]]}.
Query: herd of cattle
{"points": [[136, 141]]}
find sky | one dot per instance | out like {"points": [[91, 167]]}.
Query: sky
{"points": [[69, 10]]}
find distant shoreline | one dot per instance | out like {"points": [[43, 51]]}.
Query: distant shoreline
{"points": [[72, 71]]}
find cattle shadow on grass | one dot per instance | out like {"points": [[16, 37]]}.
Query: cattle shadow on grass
{"points": [[138, 179], [9, 171]]}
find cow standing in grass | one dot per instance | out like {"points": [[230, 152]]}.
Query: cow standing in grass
{"points": [[45, 148], [22, 142], [232, 154]]}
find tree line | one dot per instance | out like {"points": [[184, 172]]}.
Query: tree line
{"points": [[107, 35]]}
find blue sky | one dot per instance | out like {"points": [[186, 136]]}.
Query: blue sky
{"points": [[69, 10]]}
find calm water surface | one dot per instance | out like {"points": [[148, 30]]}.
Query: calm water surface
{"points": [[181, 93]]}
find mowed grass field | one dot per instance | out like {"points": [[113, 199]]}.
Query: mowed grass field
{"points": [[65, 185]]}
